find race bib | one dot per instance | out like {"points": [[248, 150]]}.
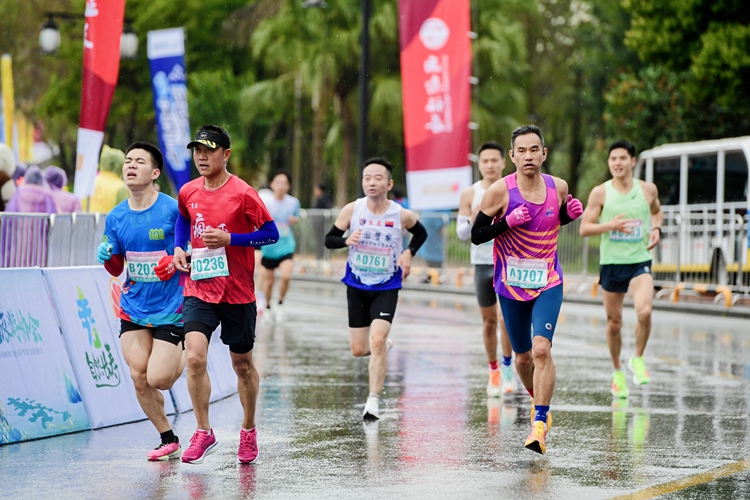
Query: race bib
{"points": [[375, 260], [634, 237], [284, 229], [208, 263], [141, 265], [526, 273]]}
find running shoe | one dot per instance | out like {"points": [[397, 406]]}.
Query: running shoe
{"points": [[372, 409], [533, 415], [509, 380], [248, 452], [201, 444], [536, 440], [638, 367], [165, 451], [493, 386], [280, 314], [620, 385]]}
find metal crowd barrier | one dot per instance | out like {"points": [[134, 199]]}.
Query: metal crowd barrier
{"points": [[698, 245], [57, 240]]}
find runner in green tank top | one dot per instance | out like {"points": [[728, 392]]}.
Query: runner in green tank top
{"points": [[627, 213]]}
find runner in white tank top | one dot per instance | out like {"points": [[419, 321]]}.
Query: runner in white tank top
{"points": [[376, 266], [501, 378]]}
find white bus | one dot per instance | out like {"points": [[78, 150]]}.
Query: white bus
{"points": [[703, 189]]}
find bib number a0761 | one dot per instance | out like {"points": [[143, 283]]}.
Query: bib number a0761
{"points": [[141, 265], [371, 259], [208, 263], [526, 273]]}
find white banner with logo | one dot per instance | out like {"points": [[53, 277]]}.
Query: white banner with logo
{"points": [[94, 345], [39, 391]]}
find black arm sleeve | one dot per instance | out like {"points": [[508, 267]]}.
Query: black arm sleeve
{"points": [[564, 217], [335, 238], [420, 236], [484, 230]]}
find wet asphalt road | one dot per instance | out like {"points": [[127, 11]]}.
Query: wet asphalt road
{"points": [[439, 435]]}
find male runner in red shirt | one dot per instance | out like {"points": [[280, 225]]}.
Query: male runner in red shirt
{"points": [[223, 218]]}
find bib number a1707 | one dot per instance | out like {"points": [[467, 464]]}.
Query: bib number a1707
{"points": [[208, 263], [526, 273], [141, 265]]}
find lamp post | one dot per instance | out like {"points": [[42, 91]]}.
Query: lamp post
{"points": [[49, 36], [364, 69]]}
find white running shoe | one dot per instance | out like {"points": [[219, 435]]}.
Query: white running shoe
{"points": [[372, 409], [280, 314], [509, 380]]}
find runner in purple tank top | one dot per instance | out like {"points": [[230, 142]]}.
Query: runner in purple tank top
{"points": [[529, 208]]}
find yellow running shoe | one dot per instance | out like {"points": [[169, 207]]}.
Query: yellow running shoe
{"points": [[638, 367], [533, 415], [620, 385], [535, 441]]}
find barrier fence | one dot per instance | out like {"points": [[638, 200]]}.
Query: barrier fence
{"points": [[699, 245]]}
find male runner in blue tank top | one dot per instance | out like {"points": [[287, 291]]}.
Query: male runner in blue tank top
{"points": [[376, 266], [140, 230]]}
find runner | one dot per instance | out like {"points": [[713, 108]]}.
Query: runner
{"points": [[141, 231], [375, 268], [491, 165], [223, 218], [530, 207], [628, 216], [285, 211]]}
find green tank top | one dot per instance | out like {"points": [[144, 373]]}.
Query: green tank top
{"points": [[622, 248]]}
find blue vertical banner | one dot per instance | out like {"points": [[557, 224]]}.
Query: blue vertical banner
{"points": [[166, 55]]}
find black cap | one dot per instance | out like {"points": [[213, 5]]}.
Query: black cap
{"points": [[209, 139]]}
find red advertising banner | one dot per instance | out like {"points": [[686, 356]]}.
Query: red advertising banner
{"points": [[435, 71], [101, 66]]}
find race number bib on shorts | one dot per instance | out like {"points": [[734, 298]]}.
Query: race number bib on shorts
{"points": [[369, 259], [526, 273], [633, 237], [208, 263], [141, 265]]}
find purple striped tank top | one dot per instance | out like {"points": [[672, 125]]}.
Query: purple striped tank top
{"points": [[525, 256]]}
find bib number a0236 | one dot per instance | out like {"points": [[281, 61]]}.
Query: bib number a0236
{"points": [[370, 259], [208, 263], [635, 236], [526, 273], [141, 265]]}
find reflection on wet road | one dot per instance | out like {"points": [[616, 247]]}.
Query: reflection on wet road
{"points": [[439, 435]]}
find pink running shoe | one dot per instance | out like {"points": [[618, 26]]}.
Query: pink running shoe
{"points": [[201, 444], [165, 451], [248, 452]]}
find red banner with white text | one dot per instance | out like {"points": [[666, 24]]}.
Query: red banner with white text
{"points": [[101, 66], [435, 72]]}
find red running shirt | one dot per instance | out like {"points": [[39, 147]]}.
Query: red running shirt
{"points": [[235, 208]]}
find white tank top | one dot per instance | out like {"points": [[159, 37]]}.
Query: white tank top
{"points": [[480, 254], [372, 261]]}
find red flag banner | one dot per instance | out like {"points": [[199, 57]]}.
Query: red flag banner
{"points": [[101, 66], [436, 93]]}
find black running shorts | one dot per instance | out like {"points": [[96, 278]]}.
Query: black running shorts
{"points": [[237, 322], [616, 277], [368, 305], [484, 276], [169, 333]]}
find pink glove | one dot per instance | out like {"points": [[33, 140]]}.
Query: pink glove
{"points": [[575, 207], [518, 216]]}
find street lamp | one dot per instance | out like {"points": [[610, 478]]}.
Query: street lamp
{"points": [[49, 36], [364, 68]]}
